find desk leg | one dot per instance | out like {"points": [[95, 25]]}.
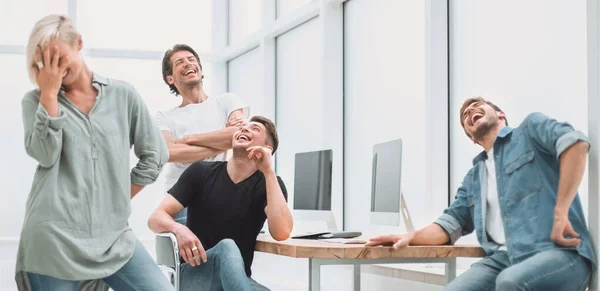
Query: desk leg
{"points": [[356, 277], [450, 270], [314, 275]]}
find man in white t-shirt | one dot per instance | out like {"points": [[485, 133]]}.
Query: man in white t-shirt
{"points": [[202, 127]]}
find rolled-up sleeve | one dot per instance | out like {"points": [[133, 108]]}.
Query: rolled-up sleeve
{"points": [[148, 143], [43, 133], [457, 220], [569, 139], [551, 136]]}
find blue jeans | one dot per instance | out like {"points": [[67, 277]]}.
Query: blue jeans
{"points": [[181, 217], [140, 273], [548, 270], [257, 286], [223, 270]]}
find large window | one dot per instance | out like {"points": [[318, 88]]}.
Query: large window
{"points": [[145, 25], [287, 6], [17, 17], [386, 98], [300, 106], [245, 78], [244, 19]]}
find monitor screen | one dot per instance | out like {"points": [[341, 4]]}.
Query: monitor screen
{"points": [[312, 180], [385, 183]]}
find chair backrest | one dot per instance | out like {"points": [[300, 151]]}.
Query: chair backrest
{"points": [[167, 250]]}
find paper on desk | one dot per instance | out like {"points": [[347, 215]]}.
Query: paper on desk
{"points": [[344, 240]]}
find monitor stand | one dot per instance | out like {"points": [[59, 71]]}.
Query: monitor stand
{"points": [[312, 221], [406, 215], [394, 218]]}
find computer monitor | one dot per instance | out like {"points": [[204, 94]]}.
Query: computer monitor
{"points": [[387, 200], [312, 187]]}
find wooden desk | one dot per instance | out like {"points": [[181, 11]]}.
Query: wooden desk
{"points": [[321, 253]]}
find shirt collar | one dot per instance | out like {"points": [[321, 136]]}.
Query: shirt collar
{"points": [[96, 80], [482, 156], [99, 79], [504, 132]]}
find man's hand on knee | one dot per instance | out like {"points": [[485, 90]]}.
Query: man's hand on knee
{"points": [[190, 247]]}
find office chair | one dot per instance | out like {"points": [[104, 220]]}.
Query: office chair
{"points": [[167, 256]]}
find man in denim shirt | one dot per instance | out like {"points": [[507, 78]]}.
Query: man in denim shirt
{"points": [[521, 199]]}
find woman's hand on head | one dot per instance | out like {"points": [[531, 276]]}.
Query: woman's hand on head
{"points": [[50, 69]]}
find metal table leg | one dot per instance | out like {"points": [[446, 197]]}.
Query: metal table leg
{"points": [[356, 277], [314, 275], [450, 270]]}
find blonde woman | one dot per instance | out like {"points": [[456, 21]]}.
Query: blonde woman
{"points": [[80, 127]]}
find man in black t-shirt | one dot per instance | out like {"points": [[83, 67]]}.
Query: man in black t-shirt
{"points": [[228, 203]]}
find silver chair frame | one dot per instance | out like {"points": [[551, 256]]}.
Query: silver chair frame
{"points": [[167, 256]]}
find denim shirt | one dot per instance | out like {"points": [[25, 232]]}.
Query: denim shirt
{"points": [[528, 172]]}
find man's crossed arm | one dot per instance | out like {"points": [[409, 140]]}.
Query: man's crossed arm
{"points": [[195, 147]]}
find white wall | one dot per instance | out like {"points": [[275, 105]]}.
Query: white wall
{"points": [[245, 77], [525, 56]]}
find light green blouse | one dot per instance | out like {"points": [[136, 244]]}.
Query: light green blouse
{"points": [[77, 210]]}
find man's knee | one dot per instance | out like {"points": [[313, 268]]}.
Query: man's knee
{"points": [[226, 245], [509, 281], [227, 257], [227, 250]]}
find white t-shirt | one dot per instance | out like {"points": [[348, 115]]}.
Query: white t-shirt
{"points": [[493, 220], [210, 115]]}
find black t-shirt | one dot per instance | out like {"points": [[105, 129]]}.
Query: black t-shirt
{"points": [[219, 209]]}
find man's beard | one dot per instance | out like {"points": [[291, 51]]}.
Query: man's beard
{"points": [[239, 152], [192, 84], [484, 128]]}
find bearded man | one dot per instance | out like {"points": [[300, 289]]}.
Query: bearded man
{"points": [[521, 199]]}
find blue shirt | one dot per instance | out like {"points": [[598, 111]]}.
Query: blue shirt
{"points": [[528, 173]]}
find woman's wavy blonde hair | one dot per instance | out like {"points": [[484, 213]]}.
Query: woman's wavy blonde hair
{"points": [[50, 27]]}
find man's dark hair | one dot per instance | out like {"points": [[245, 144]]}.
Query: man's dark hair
{"points": [[272, 137], [167, 66], [473, 100]]}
